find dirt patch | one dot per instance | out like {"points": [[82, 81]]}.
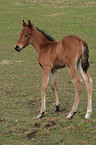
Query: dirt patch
{"points": [[37, 125], [52, 123], [32, 134], [47, 125]]}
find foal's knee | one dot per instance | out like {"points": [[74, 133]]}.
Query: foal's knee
{"points": [[43, 90]]}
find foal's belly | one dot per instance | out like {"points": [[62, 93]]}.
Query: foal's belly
{"points": [[58, 64]]}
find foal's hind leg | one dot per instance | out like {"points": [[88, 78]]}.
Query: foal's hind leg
{"points": [[77, 82], [53, 85], [89, 86]]}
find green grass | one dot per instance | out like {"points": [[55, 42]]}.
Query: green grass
{"points": [[20, 74]]}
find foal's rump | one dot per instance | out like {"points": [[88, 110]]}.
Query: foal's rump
{"points": [[75, 51]]}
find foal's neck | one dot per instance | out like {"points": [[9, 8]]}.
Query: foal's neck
{"points": [[38, 40]]}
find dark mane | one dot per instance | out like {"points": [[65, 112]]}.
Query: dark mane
{"points": [[46, 35]]}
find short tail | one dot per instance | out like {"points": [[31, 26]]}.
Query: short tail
{"points": [[85, 56]]}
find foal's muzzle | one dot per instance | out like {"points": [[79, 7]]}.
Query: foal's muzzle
{"points": [[17, 48]]}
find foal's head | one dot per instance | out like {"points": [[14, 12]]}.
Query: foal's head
{"points": [[25, 36]]}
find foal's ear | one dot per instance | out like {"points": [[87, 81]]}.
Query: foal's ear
{"points": [[29, 24], [24, 24]]}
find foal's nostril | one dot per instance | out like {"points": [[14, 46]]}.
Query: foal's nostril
{"points": [[17, 47]]}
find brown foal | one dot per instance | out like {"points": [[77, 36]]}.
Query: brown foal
{"points": [[71, 52]]}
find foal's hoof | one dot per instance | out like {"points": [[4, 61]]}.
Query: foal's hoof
{"points": [[41, 115], [89, 112], [70, 116], [57, 109]]}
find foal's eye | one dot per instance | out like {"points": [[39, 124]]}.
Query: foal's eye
{"points": [[26, 35]]}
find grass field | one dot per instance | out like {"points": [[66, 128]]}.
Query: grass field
{"points": [[20, 74]]}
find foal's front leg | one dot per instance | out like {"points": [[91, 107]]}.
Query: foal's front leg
{"points": [[45, 80], [53, 86]]}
